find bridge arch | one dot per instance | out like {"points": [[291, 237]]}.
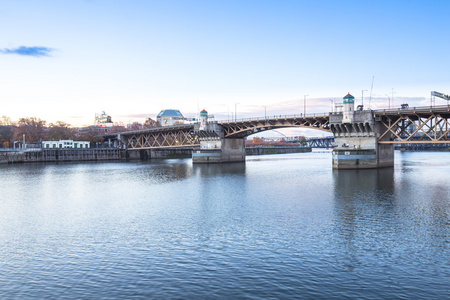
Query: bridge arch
{"points": [[244, 128]]}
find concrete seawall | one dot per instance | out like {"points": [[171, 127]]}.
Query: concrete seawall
{"points": [[104, 154], [276, 150], [59, 155]]}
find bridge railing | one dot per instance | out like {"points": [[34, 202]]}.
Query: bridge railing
{"points": [[413, 109], [274, 117]]}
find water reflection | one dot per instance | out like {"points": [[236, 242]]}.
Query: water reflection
{"points": [[207, 170], [274, 227]]}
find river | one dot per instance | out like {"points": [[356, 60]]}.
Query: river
{"points": [[278, 226]]}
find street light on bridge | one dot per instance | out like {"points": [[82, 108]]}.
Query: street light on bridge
{"points": [[235, 111], [265, 114], [389, 99], [304, 105], [362, 97]]}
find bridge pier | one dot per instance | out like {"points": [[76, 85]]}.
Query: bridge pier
{"points": [[214, 147], [356, 136], [219, 150]]}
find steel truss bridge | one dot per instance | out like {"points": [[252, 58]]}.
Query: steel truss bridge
{"points": [[184, 135], [320, 142], [402, 126], [421, 125]]}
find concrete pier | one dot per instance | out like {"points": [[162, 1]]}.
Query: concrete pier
{"points": [[219, 151], [214, 147], [356, 137]]}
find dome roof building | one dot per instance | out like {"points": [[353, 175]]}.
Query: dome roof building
{"points": [[170, 117]]}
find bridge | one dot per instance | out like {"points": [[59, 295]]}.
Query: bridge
{"points": [[363, 138]]}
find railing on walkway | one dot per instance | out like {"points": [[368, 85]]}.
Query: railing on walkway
{"points": [[276, 117]]}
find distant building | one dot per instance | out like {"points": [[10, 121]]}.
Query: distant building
{"points": [[65, 144], [102, 119], [170, 117]]}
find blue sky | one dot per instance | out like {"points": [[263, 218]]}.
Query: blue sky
{"points": [[67, 60]]}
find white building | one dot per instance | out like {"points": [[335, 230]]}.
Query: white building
{"points": [[65, 144], [170, 117]]}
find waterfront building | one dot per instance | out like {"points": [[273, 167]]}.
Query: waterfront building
{"points": [[65, 144], [170, 117]]}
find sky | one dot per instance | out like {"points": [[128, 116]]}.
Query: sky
{"points": [[66, 60]]}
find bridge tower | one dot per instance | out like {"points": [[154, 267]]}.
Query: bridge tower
{"points": [[214, 147], [356, 137], [349, 108]]}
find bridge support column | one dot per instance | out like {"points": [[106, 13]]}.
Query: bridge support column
{"points": [[362, 153], [219, 150], [214, 147], [357, 145]]}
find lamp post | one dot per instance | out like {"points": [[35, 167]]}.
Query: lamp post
{"points": [[332, 104], [389, 99], [362, 97], [304, 105], [265, 114], [235, 111], [392, 96]]}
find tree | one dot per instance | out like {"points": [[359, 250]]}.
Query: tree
{"points": [[33, 128], [6, 135], [257, 140], [60, 131], [117, 128], [89, 134], [5, 121], [149, 123], [303, 141], [136, 126]]}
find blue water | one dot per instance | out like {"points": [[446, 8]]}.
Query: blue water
{"points": [[278, 226]]}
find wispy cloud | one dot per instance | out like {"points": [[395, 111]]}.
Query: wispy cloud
{"points": [[28, 51]]}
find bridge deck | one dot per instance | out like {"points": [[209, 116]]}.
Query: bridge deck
{"points": [[412, 125]]}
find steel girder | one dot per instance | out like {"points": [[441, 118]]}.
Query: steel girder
{"points": [[162, 137], [326, 142], [415, 126], [244, 128]]}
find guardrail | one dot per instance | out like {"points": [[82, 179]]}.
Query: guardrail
{"points": [[275, 117], [413, 109]]}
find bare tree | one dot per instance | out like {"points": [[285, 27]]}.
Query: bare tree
{"points": [[6, 134], [33, 128], [5, 121], [60, 131], [149, 123]]}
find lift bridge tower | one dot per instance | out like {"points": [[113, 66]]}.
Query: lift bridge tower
{"points": [[435, 94]]}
